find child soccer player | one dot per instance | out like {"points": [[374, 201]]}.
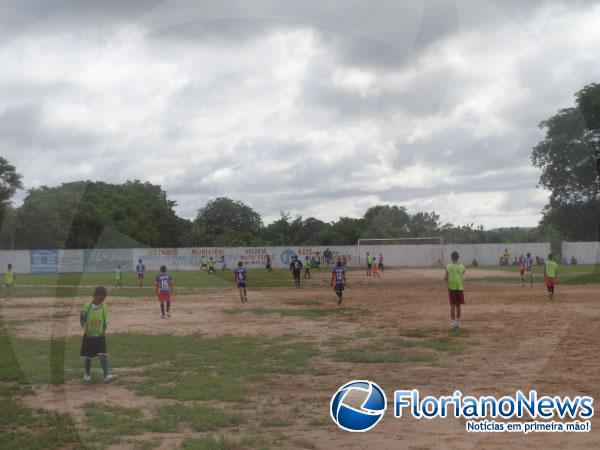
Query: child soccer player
{"points": [[164, 287], [203, 265], [9, 280], [268, 264], [94, 320], [296, 267], [375, 270], [528, 269], [338, 280], [369, 264], [455, 277], [141, 270], [211, 265], [119, 277], [224, 263], [241, 279], [307, 265], [550, 270]]}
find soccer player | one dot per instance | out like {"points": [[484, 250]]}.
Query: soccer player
{"points": [[164, 288], [369, 264], [296, 267], [9, 280], [527, 269], [141, 270], [203, 265], [119, 277], [375, 269], [550, 271], [241, 279], [268, 264], [224, 263], [338, 280], [327, 255], [455, 278], [307, 265], [381, 262], [94, 320], [211, 265]]}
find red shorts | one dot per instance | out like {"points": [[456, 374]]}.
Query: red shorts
{"points": [[456, 297], [164, 297], [550, 281]]}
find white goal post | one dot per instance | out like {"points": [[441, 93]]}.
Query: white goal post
{"points": [[421, 251]]}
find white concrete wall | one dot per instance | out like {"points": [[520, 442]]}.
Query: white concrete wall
{"points": [[585, 252], [106, 260]]}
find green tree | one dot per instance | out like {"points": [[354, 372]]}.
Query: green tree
{"points": [[10, 181], [569, 157], [85, 214], [223, 214]]}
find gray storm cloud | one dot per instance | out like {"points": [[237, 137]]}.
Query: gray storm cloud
{"points": [[319, 108]]}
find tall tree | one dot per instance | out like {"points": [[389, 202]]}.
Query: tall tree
{"points": [[82, 214], [569, 157], [225, 215], [10, 181]]}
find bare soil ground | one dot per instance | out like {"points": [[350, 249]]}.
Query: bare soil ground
{"points": [[517, 340]]}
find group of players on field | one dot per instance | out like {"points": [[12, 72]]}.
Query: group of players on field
{"points": [[94, 314]]}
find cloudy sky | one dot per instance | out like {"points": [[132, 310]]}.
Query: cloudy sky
{"points": [[321, 108]]}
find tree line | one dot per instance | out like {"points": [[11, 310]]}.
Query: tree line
{"points": [[88, 214]]}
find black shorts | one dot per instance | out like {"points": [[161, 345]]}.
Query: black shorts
{"points": [[241, 284], [92, 346], [297, 274], [368, 266], [339, 288]]}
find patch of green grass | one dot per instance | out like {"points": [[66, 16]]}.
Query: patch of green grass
{"points": [[371, 357], [393, 349], [199, 417], [277, 422], [587, 278], [306, 313], [218, 368], [21, 427], [319, 423], [86, 282], [111, 422], [416, 333], [303, 302], [223, 443]]}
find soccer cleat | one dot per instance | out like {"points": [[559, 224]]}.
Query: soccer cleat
{"points": [[163, 317], [109, 379], [87, 378], [169, 315], [340, 301]]}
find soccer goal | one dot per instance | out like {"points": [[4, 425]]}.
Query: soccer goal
{"points": [[409, 252]]}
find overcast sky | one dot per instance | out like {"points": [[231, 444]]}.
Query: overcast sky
{"points": [[322, 108]]}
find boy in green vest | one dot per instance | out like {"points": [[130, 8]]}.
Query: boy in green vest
{"points": [[455, 278], [119, 277], [9, 280], [94, 320], [307, 266], [550, 270]]}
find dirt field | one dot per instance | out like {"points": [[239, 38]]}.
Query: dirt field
{"points": [[514, 339]]}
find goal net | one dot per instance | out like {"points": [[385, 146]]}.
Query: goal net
{"points": [[398, 252]]}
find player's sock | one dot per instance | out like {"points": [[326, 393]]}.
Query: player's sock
{"points": [[168, 307], [104, 365], [88, 366]]}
